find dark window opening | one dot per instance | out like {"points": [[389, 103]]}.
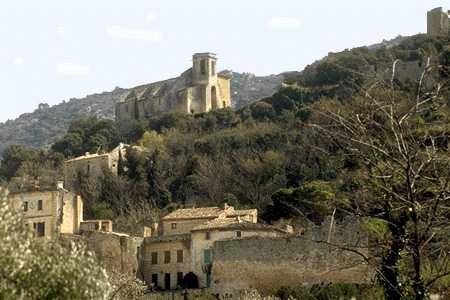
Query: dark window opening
{"points": [[214, 102], [179, 256], [203, 66], [39, 205], [207, 235], [238, 234], [180, 279], [40, 228], [174, 225], [154, 258], [25, 206], [155, 280], [167, 281], [167, 257]]}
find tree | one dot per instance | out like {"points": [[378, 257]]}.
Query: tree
{"points": [[88, 135], [44, 269], [397, 137]]}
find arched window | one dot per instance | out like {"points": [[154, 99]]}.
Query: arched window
{"points": [[214, 98], [203, 66]]}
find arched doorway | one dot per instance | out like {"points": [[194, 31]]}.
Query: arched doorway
{"points": [[190, 281], [214, 98]]}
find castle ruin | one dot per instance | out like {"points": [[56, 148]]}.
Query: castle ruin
{"points": [[197, 90], [438, 22]]}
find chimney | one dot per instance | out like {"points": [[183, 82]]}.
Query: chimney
{"points": [[60, 184]]}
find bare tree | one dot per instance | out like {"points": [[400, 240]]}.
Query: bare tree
{"points": [[400, 138]]}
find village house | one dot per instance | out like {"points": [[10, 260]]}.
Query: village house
{"points": [[52, 210], [49, 210], [181, 256]]}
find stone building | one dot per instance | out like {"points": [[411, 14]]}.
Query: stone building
{"points": [[438, 22], [199, 89], [92, 165], [51, 211], [181, 255]]}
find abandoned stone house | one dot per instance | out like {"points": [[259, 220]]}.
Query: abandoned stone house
{"points": [[181, 254], [438, 22], [92, 165], [199, 89]]}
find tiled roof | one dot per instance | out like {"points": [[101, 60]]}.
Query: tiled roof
{"points": [[168, 238], [233, 224], [241, 212], [194, 213]]}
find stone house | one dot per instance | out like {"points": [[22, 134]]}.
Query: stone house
{"points": [[181, 255], [438, 22], [93, 164], [50, 211], [197, 90]]}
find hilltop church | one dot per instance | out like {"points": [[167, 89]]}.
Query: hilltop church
{"points": [[199, 89]]}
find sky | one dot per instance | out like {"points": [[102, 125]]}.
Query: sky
{"points": [[53, 50]]}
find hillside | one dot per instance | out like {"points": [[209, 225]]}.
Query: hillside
{"points": [[46, 124]]}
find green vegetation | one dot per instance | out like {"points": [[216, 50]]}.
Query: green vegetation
{"points": [[324, 144]]}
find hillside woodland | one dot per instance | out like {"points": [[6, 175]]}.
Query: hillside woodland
{"points": [[342, 137], [46, 124]]}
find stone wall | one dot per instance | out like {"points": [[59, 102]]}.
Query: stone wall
{"points": [[270, 263], [116, 252]]}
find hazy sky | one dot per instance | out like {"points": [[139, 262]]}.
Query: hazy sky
{"points": [[53, 50]]}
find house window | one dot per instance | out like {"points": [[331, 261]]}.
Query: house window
{"points": [[238, 234], [39, 205], [203, 66], [207, 235], [154, 258], [179, 256], [40, 228], [155, 280], [174, 225], [180, 279], [25, 206], [207, 256], [167, 281], [167, 257]]}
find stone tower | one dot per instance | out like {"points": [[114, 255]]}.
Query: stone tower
{"points": [[438, 22], [204, 75]]}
